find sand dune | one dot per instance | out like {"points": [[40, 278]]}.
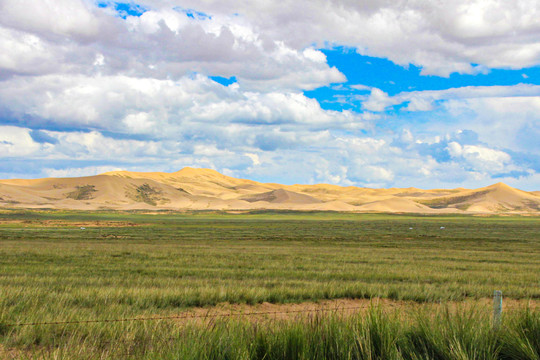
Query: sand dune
{"points": [[205, 182], [206, 189], [394, 205], [495, 198], [282, 196]]}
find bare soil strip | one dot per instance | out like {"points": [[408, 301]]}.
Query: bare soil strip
{"points": [[342, 307], [267, 312], [67, 223]]}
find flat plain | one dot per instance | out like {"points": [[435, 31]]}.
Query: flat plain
{"points": [[73, 266]]}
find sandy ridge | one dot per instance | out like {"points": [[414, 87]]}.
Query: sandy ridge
{"points": [[206, 189]]}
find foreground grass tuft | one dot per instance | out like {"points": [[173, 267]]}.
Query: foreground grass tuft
{"points": [[377, 334]]}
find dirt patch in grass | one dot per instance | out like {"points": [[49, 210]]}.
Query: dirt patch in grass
{"points": [[113, 236], [340, 307], [66, 223], [12, 354]]}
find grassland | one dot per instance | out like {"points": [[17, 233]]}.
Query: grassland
{"points": [[133, 265]]}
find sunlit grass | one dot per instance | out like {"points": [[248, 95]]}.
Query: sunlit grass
{"points": [[375, 334], [56, 271]]}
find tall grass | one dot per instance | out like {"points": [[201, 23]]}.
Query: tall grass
{"points": [[375, 335], [521, 340]]}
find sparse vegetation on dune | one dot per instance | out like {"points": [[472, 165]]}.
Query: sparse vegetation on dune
{"points": [[145, 194], [84, 192], [204, 189], [444, 202], [172, 262]]}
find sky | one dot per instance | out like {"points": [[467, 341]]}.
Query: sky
{"points": [[374, 93]]}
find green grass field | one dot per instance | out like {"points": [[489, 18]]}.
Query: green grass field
{"points": [[134, 264]]}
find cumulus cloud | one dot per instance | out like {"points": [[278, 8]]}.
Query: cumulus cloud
{"points": [[290, 157], [440, 37], [503, 115], [160, 43], [160, 108], [378, 100], [79, 18], [78, 172], [510, 122], [262, 44], [426, 100], [268, 136], [105, 89], [17, 142], [480, 157]]}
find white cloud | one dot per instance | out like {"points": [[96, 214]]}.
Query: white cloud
{"points": [[419, 104], [441, 37], [23, 53], [378, 100], [16, 142], [292, 157], [161, 108], [162, 43], [377, 174], [138, 93], [364, 146], [266, 47], [425, 100], [78, 172], [95, 146], [60, 17], [314, 55], [254, 158], [480, 157], [504, 116], [140, 122], [100, 60]]}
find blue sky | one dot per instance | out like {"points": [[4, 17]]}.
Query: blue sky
{"points": [[432, 95], [393, 79]]}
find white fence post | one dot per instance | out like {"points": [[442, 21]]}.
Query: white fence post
{"points": [[497, 309]]}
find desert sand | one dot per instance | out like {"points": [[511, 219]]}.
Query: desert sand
{"points": [[206, 189]]}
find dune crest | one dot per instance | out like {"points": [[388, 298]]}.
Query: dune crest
{"points": [[207, 189]]}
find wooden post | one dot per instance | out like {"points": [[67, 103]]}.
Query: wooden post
{"points": [[497, 309]]}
